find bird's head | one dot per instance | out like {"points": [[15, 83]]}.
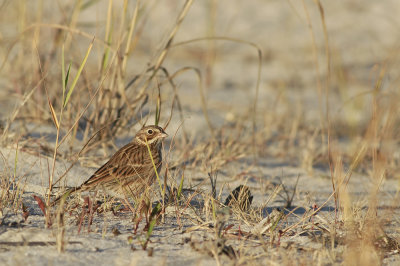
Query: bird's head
{"points": [[150, 135]]}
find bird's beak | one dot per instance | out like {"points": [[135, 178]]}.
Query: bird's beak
{"points": [[163, 135]]}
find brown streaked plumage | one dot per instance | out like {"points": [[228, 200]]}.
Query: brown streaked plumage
{"points": [[130, 170]]}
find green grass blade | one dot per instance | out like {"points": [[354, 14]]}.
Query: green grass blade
{"points": [[64, 76], [63, 71], [180, 187], [106, 55], [154, 165], [71, 89], [67, 77], [156, 210]]}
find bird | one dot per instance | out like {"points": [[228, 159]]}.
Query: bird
{"points": [[130, 170]]}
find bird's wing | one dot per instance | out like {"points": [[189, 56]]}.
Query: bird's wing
{"points": [[127, 161]]}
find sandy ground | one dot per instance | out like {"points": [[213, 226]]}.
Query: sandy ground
{"points": [[362, 34], [22, 241]]}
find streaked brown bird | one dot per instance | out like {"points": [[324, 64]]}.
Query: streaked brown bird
{"points": [[130, 171]]}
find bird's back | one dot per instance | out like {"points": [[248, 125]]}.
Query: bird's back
{"points": [[130, 168]]}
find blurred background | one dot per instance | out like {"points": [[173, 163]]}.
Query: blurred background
{"points": [[282, 75]]}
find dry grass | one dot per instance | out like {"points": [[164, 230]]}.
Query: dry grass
{"points": [[73, 80]]}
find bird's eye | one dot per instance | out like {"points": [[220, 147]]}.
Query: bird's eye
{"points": [[150, 131]]}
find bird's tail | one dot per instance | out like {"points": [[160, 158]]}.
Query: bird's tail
{"points": [[65, 195]]}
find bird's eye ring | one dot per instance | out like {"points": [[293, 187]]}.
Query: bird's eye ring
{"points": [[149, 131]]}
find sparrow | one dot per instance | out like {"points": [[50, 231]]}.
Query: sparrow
{"points": [[130, 170]]}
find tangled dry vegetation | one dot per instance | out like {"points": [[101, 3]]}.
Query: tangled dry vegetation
{"points": [[77, 101]]}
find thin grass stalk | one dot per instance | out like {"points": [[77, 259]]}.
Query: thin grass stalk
{"points": [[65, 102], [211, 53], [327, 91], [130, 34], [160, 59], [57, 124], [162, 191], [71, 89], [317, 69], [107, 37], [158, 106], [61, 226], [73, 21]]}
